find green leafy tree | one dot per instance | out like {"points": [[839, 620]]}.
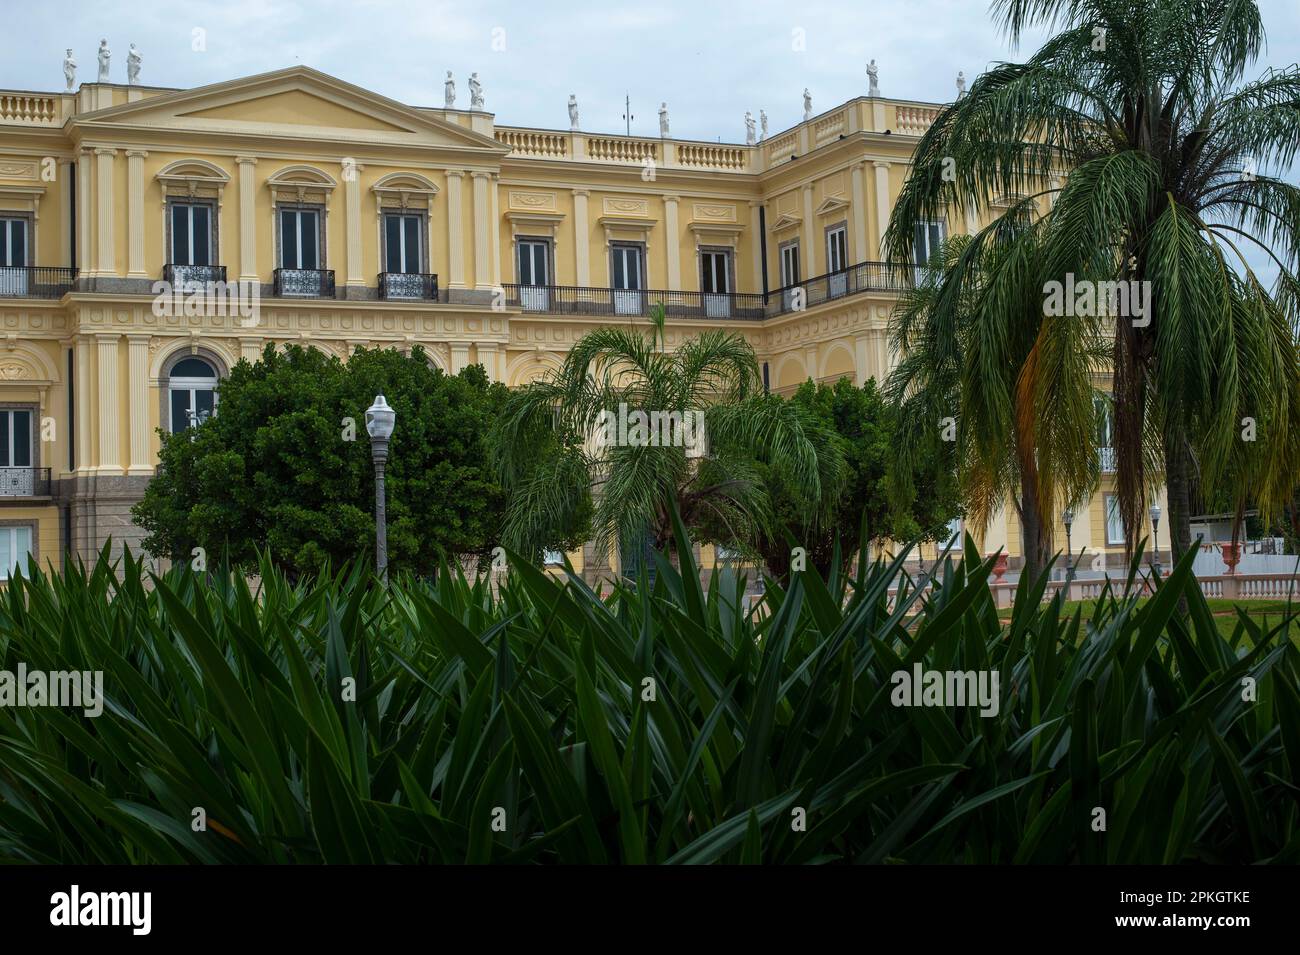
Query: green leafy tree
{"points": [[618, 372], [866, 428], [285, 464], [1136, 119]]}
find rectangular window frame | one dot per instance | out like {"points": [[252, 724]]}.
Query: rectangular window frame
{"points": [[549, 259], [29, 232], [169, 236], [728, 256], [788, 253], [10, 529], [322, 251], [422, 232], [33, 423], [1107, 502]]}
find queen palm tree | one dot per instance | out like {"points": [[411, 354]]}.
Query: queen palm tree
{"points": [[609, 376], [980, 371], [1135, 121]]}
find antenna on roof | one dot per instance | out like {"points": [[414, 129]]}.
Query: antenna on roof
{"points": [[627, 115]]}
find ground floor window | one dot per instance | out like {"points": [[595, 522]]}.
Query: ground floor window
{"points": [[1114, 523], [193, 390], [15, 547]]}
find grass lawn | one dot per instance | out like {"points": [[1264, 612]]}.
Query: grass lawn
{"points": [[1225, 611]]}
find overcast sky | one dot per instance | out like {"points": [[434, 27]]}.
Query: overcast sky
{"points": [[710, 61]]}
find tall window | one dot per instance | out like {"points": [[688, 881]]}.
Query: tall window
{"points": [[926, 240], [193, 391], [837, 260], [191, 234], [715, 282], [1114, 523], [715, 265], [837, 249], [300, 239], [403, 243], [534, 272], [13, 256], [15, 547], [790, 264], [629, 280], [15, 439]]}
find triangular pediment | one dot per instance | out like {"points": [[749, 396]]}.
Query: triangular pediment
{"points": [[295, 108], [295, 103]]}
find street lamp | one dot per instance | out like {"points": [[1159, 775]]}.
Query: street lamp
{"points": [[1067, 518], [380, 419], [1155, 533]]}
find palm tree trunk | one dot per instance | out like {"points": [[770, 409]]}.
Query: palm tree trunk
{"points": [[1036, 541], [1178, 488]]}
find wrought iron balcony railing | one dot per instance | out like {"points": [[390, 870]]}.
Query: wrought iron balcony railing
{"points": [[304, 283], [408, 286], [189, 275], [863, 277], [24, 482], [577, 300], [1106, 459], [751, 306], [35, 281]]}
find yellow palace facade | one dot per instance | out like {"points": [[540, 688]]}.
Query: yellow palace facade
{"points": [[364, 222]]}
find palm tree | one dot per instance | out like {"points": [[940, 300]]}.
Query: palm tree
{"points": [[1139, 106], [980, 371], [706, 473]]}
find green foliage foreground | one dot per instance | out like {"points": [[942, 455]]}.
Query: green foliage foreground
{"points": [[532, 709]]}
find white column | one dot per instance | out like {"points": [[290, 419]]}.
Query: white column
{"points": [[581, 239], [487, 357], [459, 356], [482, 231], [455, 238], [105, 252], [860, 251], [247, 222], [673, 238], [109, 419], [861, 359], [138, 383], [352, 210], [135, 212], [809, 250], [85, 214], [882, 203], [494, 197], [83, 384]]}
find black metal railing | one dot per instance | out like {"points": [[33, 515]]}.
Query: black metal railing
{"points": [[24, 482], [304, 283], [744, 306], [578, 300], [863, 277], [408, 286], [183, 275], [35, 281]]}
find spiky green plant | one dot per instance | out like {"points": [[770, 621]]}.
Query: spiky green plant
{"points": [[663, 724]]}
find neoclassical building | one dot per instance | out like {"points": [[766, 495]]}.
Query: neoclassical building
{"points": [[361, 221]]}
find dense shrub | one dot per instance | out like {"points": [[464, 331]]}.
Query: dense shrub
{"points": [[663, 724]]}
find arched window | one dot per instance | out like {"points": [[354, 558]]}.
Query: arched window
{"points": [[192, 385]]}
